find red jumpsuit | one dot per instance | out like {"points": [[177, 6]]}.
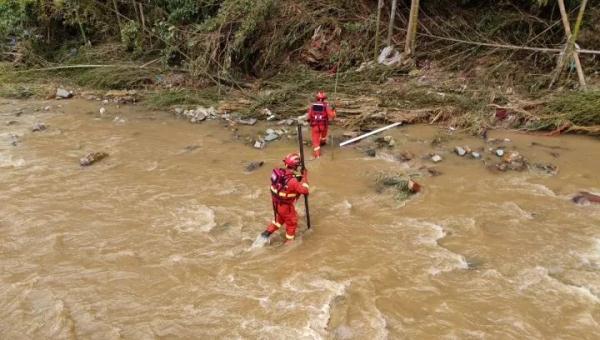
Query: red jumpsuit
{"points": [[319, 115], [284, 203]]}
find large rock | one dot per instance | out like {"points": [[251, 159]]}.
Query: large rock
{"points": [[63, 94], [460, 151], [515, 161], [584, 197], [436, 158], [92, 158], [271, 137], [250, 121], [37, 127]]}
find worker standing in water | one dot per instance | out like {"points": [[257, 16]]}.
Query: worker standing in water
{"points": [[320, 114], [286, 188]]}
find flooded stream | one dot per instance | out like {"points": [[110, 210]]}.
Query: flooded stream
{"points": [[155, 240]]}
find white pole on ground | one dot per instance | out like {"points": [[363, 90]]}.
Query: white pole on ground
{"points": [[355, 139]]}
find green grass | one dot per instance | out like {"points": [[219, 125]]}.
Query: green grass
{"points": [[580, 108], [183, 97]]}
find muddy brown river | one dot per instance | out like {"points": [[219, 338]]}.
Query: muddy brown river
{"points": [[155, 241]]}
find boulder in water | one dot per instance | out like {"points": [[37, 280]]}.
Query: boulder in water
{"points": [[92, 158], [548, 168], [515, 161], [460, 151], [271, 137], [37, 127], [254, 165], [584, 197]]}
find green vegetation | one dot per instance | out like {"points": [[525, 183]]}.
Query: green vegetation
{"points": [[275, 54], [579, 108], [183, 97]]}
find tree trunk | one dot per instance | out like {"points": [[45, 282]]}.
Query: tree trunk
{"points": [[570, 46], [411, 32], [118, 15], [379, 7], [391, 25]]}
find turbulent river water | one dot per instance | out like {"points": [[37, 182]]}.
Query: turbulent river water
{"points": [[155, 240]]}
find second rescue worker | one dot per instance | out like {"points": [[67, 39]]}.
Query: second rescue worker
{"points": [[320, 114]]}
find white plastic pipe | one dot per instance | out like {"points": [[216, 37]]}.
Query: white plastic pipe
{"points": [[355, 139]]}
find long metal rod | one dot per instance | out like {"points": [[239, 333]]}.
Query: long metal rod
{"points": [[355, 139], [301, 144]]}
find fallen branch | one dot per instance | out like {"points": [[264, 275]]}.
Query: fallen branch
{"points": [[70, 67], [590, 130]]}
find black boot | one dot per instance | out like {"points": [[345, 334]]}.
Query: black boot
{"points": [[265, 234]]}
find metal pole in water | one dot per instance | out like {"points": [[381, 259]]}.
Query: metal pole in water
{"points": [[301, 144], [369, 134]]}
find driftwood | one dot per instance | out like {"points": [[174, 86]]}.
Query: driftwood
{"points": [[569, 52]]}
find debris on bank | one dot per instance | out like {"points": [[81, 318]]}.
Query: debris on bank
{"points": [[92, 158], [122, 96]]}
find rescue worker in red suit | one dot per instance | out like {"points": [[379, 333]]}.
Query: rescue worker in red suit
{"points": [[286, 188], [320, 114]]}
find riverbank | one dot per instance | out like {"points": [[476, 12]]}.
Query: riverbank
{"points": [[364, 99]]}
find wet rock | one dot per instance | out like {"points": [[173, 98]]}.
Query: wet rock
{"points": [[460, 151], [548, 168], [499, 152], [92, 158], [501, 167], [475, 155], [102, 110], [584, 197], [37, 127], [200, 114], [63, 94], [389, 140], [371, 152], [436, 158], [250, 121], [289, 122], [254, 165], [405, 156], [270, 131], [515, 161], [47, 108], [179, 111], [434, 172], [259, 144], [271, 137]]}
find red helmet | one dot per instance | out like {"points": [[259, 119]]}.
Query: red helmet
{"points": [[321, 96], [292, 160]]}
